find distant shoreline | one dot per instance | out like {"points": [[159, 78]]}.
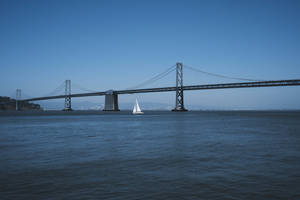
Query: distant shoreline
{"points": [[126, 112]]}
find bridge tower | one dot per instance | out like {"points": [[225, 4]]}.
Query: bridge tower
{"points": [[18, 98], [68, 98], [179, 105]]}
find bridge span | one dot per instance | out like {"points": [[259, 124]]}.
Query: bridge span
{"points": [[111, 96]]}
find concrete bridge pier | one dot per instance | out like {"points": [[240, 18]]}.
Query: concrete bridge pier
{"points": [[111, 101]]}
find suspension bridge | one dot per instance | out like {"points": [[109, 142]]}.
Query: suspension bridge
{"points": [[111, 96]]}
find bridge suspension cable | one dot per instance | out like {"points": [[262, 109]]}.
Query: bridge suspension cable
{"points": [[57, 90], [155, 78], [25, 96], [219, 75], [76, 86]]}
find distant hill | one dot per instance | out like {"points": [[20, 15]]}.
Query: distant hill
{"points": [[7, 103]]}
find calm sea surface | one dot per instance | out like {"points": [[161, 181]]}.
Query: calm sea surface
{"points": [[159, 155]]}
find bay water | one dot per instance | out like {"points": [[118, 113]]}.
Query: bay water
{"points": [[158, 155]]}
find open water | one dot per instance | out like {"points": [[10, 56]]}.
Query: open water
{"points": [[159, 155]]}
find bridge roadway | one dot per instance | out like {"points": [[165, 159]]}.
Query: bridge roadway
{"points": [[292, 82]]}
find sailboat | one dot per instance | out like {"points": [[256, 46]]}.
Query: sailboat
{"points": [[136, 108]]}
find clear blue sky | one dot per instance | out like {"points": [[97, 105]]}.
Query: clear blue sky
{"points": [[110, 44]]}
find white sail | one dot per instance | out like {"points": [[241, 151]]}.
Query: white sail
{"points": [[136, 108]]}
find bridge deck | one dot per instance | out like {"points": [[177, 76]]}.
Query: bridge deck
{"points": [[293, 82]]}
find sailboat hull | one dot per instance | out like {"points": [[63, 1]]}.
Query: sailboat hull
{"points": [[137, 113]]}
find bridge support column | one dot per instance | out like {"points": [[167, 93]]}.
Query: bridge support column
{"points": [[179, 105], [111, 101], [68, 98], [18, 98]]}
